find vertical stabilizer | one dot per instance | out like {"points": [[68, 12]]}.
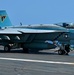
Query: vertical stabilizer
{"points": [[4, 19]]}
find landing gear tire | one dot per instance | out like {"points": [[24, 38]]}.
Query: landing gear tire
{"points": [[7, 48], [61, 52], [25, 50]]}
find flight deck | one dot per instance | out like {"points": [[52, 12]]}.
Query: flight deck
{"points": [[46, 62]]}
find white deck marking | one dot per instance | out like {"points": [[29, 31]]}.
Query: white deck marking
{"points": [[37, 61]]}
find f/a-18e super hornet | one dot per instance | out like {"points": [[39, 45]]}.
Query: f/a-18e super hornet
{"points": [[32, 37]]}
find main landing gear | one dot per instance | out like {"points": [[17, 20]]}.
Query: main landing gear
{"points": [[25, 50], [7, 48]]}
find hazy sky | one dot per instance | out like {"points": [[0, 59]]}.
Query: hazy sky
{"points": [[38, 11]]}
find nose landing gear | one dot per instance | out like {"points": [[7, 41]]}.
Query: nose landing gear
{"points": [[64, 49]]}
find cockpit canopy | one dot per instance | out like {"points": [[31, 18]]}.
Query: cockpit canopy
{"points": [[66, 25]]}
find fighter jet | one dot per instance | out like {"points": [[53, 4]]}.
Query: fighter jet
{"points": [[31, 37]]}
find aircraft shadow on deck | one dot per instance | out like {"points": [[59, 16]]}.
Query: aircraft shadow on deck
{"points": [[21, 51]]}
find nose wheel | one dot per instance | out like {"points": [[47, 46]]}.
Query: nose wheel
{"points": [[61, 52], [64, 50]]}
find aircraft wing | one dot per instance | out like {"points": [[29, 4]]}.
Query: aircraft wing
{"points": [[9, 31], [39, 31], [20, 31]]}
